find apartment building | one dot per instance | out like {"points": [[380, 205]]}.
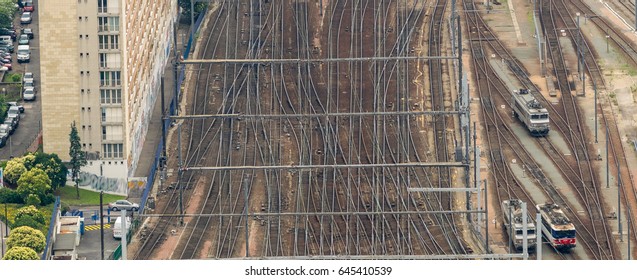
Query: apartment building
{"points": [[101, 63]]}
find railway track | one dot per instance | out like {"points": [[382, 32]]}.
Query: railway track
{"points": [[584, 177], [616, 147], [591, 241], [390, 219]]}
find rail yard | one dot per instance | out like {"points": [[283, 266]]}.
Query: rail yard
{"points": [[371, 129]]}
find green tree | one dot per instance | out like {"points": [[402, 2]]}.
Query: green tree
{"points": [[15, 168], [30, 211], [8, 195], [54, 168], [21, 253], [78, 157], [28, 160], [7, 10], [27, 237], [29, 222], [185, 7], [33, 199], [34, 181]]}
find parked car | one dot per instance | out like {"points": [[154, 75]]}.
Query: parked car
{"points": [[20, 107], [5, 60], [11, 122], [8, 65], [3, 138], [7, 48], [25, 18], [23, 40], [28, 94], [27, 31], [24, 53], [8, 32], [28, 7], [5, 130], [28, 84], [14, 112], [123, 204], [6, 39], [28, 77]]}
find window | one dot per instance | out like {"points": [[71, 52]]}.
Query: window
{"points": [[113, 115], [102, 6], [112, 133], [108, 24], [110, 60], [111, 96], [110, 78], [110, 151], [108, 42]]}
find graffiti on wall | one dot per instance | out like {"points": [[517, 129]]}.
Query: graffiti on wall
{"points": [[151, 85], [93, 182]]}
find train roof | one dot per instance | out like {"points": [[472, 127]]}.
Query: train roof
{"points": [[524, 96], [555, 216], [516, 212]]}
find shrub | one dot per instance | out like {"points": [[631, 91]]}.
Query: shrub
{"points": [[15, 168], [64, 207], [16, 78], [34, 181], [21, 253], [27, 237], [48, 199], [33, 199], [10, 196], [28, 221], [30, 211]]}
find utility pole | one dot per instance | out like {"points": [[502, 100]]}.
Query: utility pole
{"points": [[176, 67], [179, 183], [607, 163], [2, 240], [102, 224], [486, 219], [619, 211], [245, 206], [538, 236], [577, 46], [164, 155], [124, 234], [595, 90], [525, 241]]}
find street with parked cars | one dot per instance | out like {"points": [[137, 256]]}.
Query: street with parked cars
{"points": [[26, 110]]}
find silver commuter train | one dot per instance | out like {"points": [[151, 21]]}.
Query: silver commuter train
{"points": [[530, 111]]}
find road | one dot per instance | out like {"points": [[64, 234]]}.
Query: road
{"points": [[31, 119]]}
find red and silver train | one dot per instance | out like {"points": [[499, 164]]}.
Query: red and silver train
{"points": [[556, 227]]}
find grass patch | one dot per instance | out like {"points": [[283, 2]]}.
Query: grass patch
{"points": [[12, 78], [68, 196]]}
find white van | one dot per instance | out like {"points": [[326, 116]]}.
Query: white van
{"points": [[117, 227], [24, 53], [6, 39]]}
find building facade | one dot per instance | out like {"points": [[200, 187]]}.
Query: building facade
{"points": [[101, 64]]}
